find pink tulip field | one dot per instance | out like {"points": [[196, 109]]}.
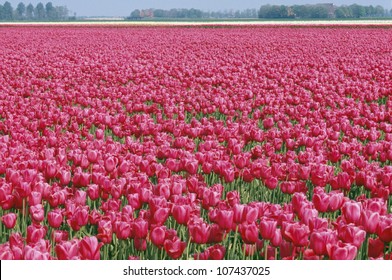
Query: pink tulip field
{"points": [[160, 143]]}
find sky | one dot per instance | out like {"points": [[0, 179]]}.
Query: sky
{"points": [[125, 7]]}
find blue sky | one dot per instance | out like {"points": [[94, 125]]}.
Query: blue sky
{"points": [[124, 7]]}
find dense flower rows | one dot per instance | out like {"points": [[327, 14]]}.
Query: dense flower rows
{"points": [[195, 143]]}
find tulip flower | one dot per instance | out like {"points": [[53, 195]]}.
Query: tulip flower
{"points": [[249, 233], [123, 230], [93, 191], [35, 198], [319, 241], [6, 253], [35, 232], [225, 219], [384, 229], [181, 213], [268, 228], [32, 253], [174, 248], [16, 240], [65, 177], [67, 250], [216, 234], [158, 236], [110, 164], [296, 233], [375, 248], [199, 231], [59, 236], [140, 228], [79, 217], [37, 213], [370, 221], [341, 251], [105, 231], [80, 197], [89, 248], [55, 218], [352, 212], [92, 156], [310, 255], [9, 220]]}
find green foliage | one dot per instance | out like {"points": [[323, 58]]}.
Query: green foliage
{"points": [[191, 14], [320, 11], [29, 12]]}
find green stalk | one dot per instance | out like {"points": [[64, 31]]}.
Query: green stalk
{"points": [[232, 253], [265, 249], [106, 252], [53, 244], [24, 215], [188, 247], [1, 229]]}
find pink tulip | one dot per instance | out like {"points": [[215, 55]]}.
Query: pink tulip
{"points": [[55, 218], [342, 251], [174, 248], [249, 233], [352, 211], [9, 220], [110, 164], [158, 236], [199, 231], [89, 248], [68, 250]]}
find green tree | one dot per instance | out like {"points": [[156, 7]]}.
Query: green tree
{"points": [[194, 13], [369, 11], [50, 11], [20, 11], [379, 11], [159, 13], [1, 12], [8, 11], [318, 11], [300, 11], [30, 11], [357, 10], [40, 11], [343, 12], [62, 12], [135, 14]]}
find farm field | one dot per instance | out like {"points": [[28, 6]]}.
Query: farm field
{"points": [[248, 142]]}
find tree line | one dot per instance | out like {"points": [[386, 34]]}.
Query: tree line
{"points": [[322, 11], [191, 14], [31, 12], [316, 11]]}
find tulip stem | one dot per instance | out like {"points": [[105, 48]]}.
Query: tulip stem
{"points": [[363, 249], [24, 215], [188, 247], [234, 244], [53, 243], [265, 249], [106, 255], [161, 255], [1, 229]]}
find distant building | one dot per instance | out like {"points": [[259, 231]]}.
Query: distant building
{"points": [[148, 13]]}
